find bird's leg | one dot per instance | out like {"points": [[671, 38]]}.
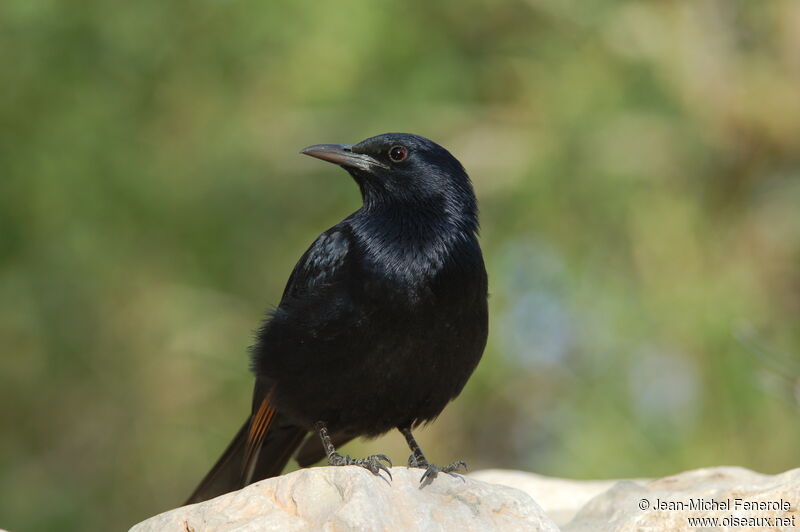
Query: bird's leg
{"points": [[417, 459], [373, 462]]}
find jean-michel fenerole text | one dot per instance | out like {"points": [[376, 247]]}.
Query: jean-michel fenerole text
{"points": [[705, 505]]}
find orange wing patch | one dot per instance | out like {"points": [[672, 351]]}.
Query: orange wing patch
{"points": [[259, 426]]}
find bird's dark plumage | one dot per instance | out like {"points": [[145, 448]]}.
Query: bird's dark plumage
{"points": [[382, 321]]}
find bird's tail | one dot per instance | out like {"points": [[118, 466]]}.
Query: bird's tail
{"points": [[261, 449]]}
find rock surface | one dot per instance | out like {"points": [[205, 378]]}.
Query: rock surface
{"points": [[339, 499], [619, 509], [559, 498]]}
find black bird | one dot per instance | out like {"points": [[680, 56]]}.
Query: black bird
{"points": [[381, 323]]}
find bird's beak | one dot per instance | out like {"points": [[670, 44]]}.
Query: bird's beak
{"points": [[343, 155]]}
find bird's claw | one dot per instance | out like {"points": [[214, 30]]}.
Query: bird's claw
{"points": [[432, 471], [373, 463], [413, 461]]}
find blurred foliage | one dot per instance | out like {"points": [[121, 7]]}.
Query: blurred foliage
{"points": [[638, 166]]}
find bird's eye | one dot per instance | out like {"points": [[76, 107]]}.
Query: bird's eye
{"points": [[398, 153]]}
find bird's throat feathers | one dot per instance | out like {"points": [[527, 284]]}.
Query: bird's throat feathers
{"points": [[416, 238]]}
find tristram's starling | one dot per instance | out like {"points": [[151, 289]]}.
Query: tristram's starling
{"points": [[382, 321]]}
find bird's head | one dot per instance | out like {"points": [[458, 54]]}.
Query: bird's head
{"points": [[400, 169]]}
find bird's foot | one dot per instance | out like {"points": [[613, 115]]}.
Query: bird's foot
{"points": [[373, 463], [432, 470]]}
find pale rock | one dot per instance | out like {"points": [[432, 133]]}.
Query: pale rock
{"points": [[344, 499], [352, 499], [618, 508], [559, 498]]}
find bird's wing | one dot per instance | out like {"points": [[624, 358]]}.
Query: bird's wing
{"points": [[260, 421], [321, 264]]}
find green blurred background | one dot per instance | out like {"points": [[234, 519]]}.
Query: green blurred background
{"points": [[638, 168]]}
